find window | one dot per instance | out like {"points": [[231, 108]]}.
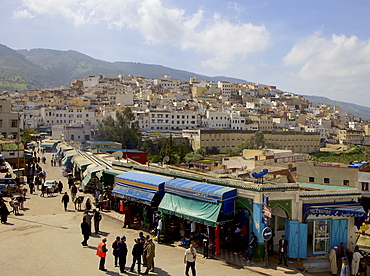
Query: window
{"points": [[327, 180], [365, 186], [311, 179], [14, 123], [346, 182]]}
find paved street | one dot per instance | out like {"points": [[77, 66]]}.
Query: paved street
{"points": [[45, 240]]}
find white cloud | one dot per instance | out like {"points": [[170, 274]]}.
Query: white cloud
{"points": [[216, 38], [339, 58], [22, 14]]}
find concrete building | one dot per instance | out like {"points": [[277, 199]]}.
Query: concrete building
{"points": [[298, 142]]}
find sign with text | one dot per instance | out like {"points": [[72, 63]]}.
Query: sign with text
{"points": [[266, 211], [265, 200]]}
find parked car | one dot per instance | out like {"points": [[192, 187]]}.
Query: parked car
{"points": [[4, 182], [53, 184]]}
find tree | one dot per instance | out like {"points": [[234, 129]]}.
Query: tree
{"points": [[258, 140], [26, 134], [123, 130]]}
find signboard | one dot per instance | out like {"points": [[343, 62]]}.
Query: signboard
{"points": [[266, 233], [266, 211], [265, 221], [265, 200]]}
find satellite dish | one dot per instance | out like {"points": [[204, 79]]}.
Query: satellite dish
{"points": [[166, 159], [118, 155]]}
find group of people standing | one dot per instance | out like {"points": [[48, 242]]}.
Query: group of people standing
{"points": [[344, 263], [143, 249]]}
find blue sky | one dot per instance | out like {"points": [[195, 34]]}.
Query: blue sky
{"points": [[305, 47]]}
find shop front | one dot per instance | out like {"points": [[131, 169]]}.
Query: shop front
{"points": [[324, 226], [202, 206], [139, 195]]}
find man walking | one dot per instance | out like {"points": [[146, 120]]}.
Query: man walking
{"points": [[85, 231], [87, 217], [333, 261], [65, 200], [122, 253], [159, 229], [137, 251], [189, 260], [102, 253], [73, 192], [97, 219], [150, 254], [283, 249]]}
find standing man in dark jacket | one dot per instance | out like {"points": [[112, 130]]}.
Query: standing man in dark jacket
{"points": [[116, 250], [85, 232], [283, 249], [122, 253], [65, 200], [137, 251]]}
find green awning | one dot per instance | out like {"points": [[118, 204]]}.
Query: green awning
{"points": [[47, 145], [112, 172], [192, 209]]}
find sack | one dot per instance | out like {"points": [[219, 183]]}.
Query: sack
{"points": [[105, 249]]}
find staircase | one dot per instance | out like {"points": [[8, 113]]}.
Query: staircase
{"points": [[316, 264]]}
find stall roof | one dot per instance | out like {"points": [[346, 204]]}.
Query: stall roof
{"points": [[137, 195], [341, 209], [81, 162], [143, 180], [70, 153], [200, 190], [196, 210]]}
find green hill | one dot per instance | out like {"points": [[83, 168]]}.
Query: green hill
{"points": [[44, 68]]}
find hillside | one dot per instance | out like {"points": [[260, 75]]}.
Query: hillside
{"points": [[356, 110], [44, 68]]}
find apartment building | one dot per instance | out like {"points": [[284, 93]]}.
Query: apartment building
{"points": [[9, 120]]}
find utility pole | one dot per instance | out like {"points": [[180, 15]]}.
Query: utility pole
{"points": [[19, 140]]}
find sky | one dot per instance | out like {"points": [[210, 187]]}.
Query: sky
{"points": [[306, 47]]}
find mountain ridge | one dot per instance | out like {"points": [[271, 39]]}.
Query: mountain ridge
{"points": [[47, 68]]}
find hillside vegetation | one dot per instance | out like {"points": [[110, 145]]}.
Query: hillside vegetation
{"points": [[355, 153]]}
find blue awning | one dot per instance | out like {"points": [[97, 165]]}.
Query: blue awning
{"points": [[204, 191], [341, 209], [145, 181], [133, 194]]}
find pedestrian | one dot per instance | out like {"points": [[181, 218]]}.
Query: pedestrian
{"points": [[60, 187], [150, 254], [122, 254], [88, 204], [85, 231], [146, 242], [65, 200], [73, 192], [87, 216], [115, 250], [32, 187], [342, 252], [97, 218], [102, 253], [159, 230], [283, 249], [127, 211], [237, 240], [345, 269], [205, 246], [189, 259], [100, 202], [8, 190], [70, 182], [356, 259], [248, 256], [333, 261], [4, 212], [137, 252], [43, 188]]}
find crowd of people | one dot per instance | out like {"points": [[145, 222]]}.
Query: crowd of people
{"points": [[345, 263]]}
